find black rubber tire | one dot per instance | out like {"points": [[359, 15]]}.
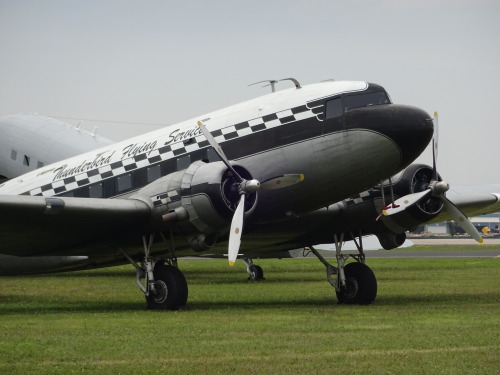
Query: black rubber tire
{"points": [[172, 289], [256, 273], [361, 288]]}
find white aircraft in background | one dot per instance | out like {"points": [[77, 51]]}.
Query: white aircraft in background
{"points": [[304, 166], [29, 142]]}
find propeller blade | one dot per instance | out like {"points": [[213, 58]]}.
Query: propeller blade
{"points": [[236, 230], [436, 133], [217, 148], [461, 219], [403, 203], [281, 181], [434, 167], [435, 146]]}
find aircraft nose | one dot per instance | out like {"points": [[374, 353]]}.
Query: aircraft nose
{"points": [[410, 128]]}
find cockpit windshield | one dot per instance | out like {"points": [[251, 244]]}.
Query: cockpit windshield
{"points": [[337, 106], [365, 99]]}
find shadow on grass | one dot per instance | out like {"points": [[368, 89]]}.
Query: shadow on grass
{"points": [[13, 304], [37, 306], [193, 278]]}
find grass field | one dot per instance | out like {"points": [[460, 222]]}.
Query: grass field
{"points": [[436, 316]]}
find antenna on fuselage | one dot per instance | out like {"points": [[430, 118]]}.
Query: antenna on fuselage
{"points": [[295, 82], [272, 83]]}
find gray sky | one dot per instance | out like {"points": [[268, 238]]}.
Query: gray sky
{"points": [[160, 62]]}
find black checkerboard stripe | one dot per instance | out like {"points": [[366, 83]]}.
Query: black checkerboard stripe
{"points": [[168, 197], [364, 196], [169, 151]]}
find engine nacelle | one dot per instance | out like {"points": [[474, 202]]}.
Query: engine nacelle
{"points": [[199, 201], [361, 212], [414, 179], [390, 240]]}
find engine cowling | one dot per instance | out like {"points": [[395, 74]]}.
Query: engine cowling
{"points": [[361, 212], [414, 179], [198, 201]]}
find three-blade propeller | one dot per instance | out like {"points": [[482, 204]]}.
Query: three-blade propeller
{"points": [[245, 188], [437, 189]]}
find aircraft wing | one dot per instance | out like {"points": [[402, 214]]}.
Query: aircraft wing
{"points": [[39, 226], [471, 205], [361, 215], [35, 225]]}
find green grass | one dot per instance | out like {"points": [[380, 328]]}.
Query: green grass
{"points": [[436, 316]]}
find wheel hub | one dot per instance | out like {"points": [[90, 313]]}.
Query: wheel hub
{"points": [[161, 291], [351, 288]]}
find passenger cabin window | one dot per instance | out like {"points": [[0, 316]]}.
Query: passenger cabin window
{"points": [[334, 108], [212, 155], [124, 182], [183, 162], [153, 173], [366, 99], [95, 191]]}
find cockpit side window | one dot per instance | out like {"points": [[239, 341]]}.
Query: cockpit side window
{"points": [[366, 99], [334, 108]]}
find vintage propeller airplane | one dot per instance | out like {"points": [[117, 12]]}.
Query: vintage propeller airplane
{"points": [[296, 168], [31, 141]]}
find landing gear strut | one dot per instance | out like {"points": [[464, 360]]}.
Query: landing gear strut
{"points": [[165, 286], [354, 283], [255, 272]]}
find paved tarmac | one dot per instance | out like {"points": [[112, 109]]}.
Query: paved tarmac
{"points": [[433, 254], [474, 251], [452, 241]]}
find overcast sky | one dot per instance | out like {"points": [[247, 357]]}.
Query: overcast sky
{"points": [[161, 62]]}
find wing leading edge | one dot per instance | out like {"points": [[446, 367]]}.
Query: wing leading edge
{"points": [[39, 226], [472, 205]]}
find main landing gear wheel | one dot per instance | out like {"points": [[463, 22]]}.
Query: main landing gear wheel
{"points": [[171, 291], [361, 285], [256, 273]]}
